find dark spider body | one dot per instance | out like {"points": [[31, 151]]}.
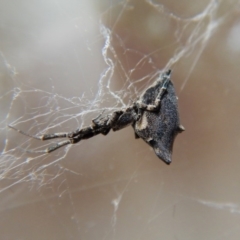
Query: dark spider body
{"points": [[159, 128], [154, 118]]}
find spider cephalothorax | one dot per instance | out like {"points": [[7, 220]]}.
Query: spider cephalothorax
{"points": [[154, 118]]}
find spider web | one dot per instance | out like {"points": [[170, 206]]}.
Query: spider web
{"points": [[63, 64]]}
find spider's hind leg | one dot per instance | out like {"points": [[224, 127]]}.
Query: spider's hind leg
{"points": [[154, 107]]}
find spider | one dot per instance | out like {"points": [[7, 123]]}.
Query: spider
{"points": [[154, 118]]}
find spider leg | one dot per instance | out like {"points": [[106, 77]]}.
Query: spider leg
{"points": [[154, 107], [23, 133], [55, 146], [44, 136], [99, 125], [107, 122], [83, 133], [95, 124]]}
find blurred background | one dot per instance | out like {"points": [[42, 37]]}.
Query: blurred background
{"points": [[62, 63]]}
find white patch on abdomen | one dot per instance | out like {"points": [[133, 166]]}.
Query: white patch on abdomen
{"points": [[142, 123]]}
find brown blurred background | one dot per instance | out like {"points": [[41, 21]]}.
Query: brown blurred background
{"points": [[62, 63]]}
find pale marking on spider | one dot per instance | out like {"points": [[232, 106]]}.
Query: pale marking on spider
{"points": [[142, 123], [154, 118]]}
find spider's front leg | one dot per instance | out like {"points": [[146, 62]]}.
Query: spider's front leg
{"points": [[99, 125], [73, 137]]}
